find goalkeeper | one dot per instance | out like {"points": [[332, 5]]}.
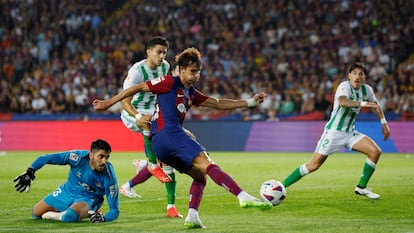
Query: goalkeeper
{"points": [[91, 177]]}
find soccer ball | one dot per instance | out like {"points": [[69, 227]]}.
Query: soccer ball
{"points": [[273, 191]]}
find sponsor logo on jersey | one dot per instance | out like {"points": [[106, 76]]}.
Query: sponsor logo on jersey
{"points": [[73, 157], [155, 81]]}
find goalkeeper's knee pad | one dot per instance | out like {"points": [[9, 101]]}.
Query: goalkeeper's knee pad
{"points": [[70, 216]]}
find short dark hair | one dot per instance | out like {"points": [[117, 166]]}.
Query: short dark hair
{"points": [[359, 65], [100, 144], [156, 40]]}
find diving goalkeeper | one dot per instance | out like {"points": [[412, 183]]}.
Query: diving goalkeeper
{"points": [[91, 177]]}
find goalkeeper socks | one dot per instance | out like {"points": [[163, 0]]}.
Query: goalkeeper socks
{"points": [[196, 193], [221, 178], [296, 175], [369, 168], [148, 147], [170, 188], [70, 216], [139, 178]]}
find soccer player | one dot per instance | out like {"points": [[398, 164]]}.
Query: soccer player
{"points": [[175, 96], [91, 177], [350, 97], [136, 116]]}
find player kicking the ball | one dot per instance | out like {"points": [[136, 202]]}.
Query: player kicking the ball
{"points": [[91, 177], [350, 97], [175, 96]]}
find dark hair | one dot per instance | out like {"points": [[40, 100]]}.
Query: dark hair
{"points": [[100, 144], [359, 65], [188, 57], [157, 40]]}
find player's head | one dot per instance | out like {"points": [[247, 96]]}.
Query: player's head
{"points": [[156, 50], [358, 65], [99, 154], [189, 63], [357, 74]]}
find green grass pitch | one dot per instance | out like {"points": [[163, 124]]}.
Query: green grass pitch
{"points": [[321, 202]]}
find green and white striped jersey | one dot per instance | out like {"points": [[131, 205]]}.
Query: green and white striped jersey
{"points": [[145, 102], [343, 119]]}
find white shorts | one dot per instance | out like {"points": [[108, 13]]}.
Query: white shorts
{"points": [[332, 141]]}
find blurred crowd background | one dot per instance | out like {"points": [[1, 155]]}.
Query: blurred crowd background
{"points": [[57, 56]]}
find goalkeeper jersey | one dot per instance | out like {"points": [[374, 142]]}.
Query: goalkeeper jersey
{"points": [[83, 181], [343, 118]]}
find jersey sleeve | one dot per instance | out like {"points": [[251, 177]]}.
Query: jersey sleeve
{"points": [[60, 158], [161, 84], [199, 97], [112, 195], [133, 77], [370, 94], [342, 90]]}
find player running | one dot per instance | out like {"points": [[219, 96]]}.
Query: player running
{"points": [[91, 177], [175, 96], [350, 97]]}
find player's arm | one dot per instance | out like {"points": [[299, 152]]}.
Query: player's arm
{"points": [[229, 104], [345, 102], [105, 104], [112, 198], [23, 181], [384, 124]]}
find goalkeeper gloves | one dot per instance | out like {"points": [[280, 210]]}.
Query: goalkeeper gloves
{"points": [[22, 182], [97, 217]]}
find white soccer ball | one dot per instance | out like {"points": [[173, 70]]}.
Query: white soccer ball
{"points": [[273, 191]]}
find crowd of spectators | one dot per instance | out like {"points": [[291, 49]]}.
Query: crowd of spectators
{"points": [[57, 56]]}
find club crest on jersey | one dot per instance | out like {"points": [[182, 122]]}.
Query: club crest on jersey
{"points": [[181, 108], [73, 157], [155, 81]]}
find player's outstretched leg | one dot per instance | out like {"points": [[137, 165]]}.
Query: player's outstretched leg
{"points": [[223, 179], [141, 176]]}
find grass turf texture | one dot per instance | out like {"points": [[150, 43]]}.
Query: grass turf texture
{"points": [[321, 202]]}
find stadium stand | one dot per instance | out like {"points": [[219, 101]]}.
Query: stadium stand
{"points": [[57, 56]]}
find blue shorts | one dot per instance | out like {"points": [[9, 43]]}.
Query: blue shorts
{"points": [[175, 148], [61, 200]]}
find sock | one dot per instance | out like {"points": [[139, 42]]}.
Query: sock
{"points": [[70, 216], [171, 188], [148, 146], [196, 193], [369, 168], [296, 175], [139, 178], [221, 178]]}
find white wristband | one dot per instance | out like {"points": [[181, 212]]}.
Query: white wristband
{"points": [[252, 102], [363, 103], [138, 116], [383, 121]]}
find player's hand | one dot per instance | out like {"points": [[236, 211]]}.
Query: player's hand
{"points": [[23, 181], [385, 131], [97, 217], [144, 122], [100, 105], [260, 97]]}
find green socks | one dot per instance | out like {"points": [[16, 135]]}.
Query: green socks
{"points": [[148, 146], [296, 175], [369, 168]]}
